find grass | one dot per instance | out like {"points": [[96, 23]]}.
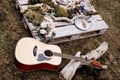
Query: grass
{"points": [[12, 29]]}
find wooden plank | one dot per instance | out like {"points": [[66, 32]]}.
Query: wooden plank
{"points": [[23, 8], [94, 18], [22, 2], [72, 30], [70, 69], [103, 31], [61, 24]]}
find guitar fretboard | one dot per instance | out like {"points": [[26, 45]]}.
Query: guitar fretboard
{"points": [[81, 59]]}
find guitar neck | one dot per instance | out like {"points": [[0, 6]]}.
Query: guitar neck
{"points": [[81, 59]]}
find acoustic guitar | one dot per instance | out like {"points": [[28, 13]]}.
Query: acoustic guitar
{"points": [[31, 54]]}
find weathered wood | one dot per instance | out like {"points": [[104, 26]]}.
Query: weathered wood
{"points": [[66, 30], [69, 20], [22, 2], [72, 30], [69, 70], [97, 53]]}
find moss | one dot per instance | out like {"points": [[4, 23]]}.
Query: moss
{"points": [[35, 15], [59, 9]]}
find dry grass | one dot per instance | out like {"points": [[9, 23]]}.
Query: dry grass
{"points": [[12, 29]]}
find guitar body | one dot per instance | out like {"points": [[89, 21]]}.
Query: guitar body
{"points": [[31, 54]]}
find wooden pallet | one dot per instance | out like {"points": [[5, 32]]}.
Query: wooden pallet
{"points": [[69, 32]]}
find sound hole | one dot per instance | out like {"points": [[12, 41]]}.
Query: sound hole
{"points": [[48, 53]]}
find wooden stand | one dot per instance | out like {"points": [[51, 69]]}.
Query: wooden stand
{"points": [[69, 70], [66, 32]]}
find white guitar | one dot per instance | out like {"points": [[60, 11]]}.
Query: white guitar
{"points": [[31, 54]]}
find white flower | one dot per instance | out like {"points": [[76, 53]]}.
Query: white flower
{"points": [[44, 24], [42, 31]]}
